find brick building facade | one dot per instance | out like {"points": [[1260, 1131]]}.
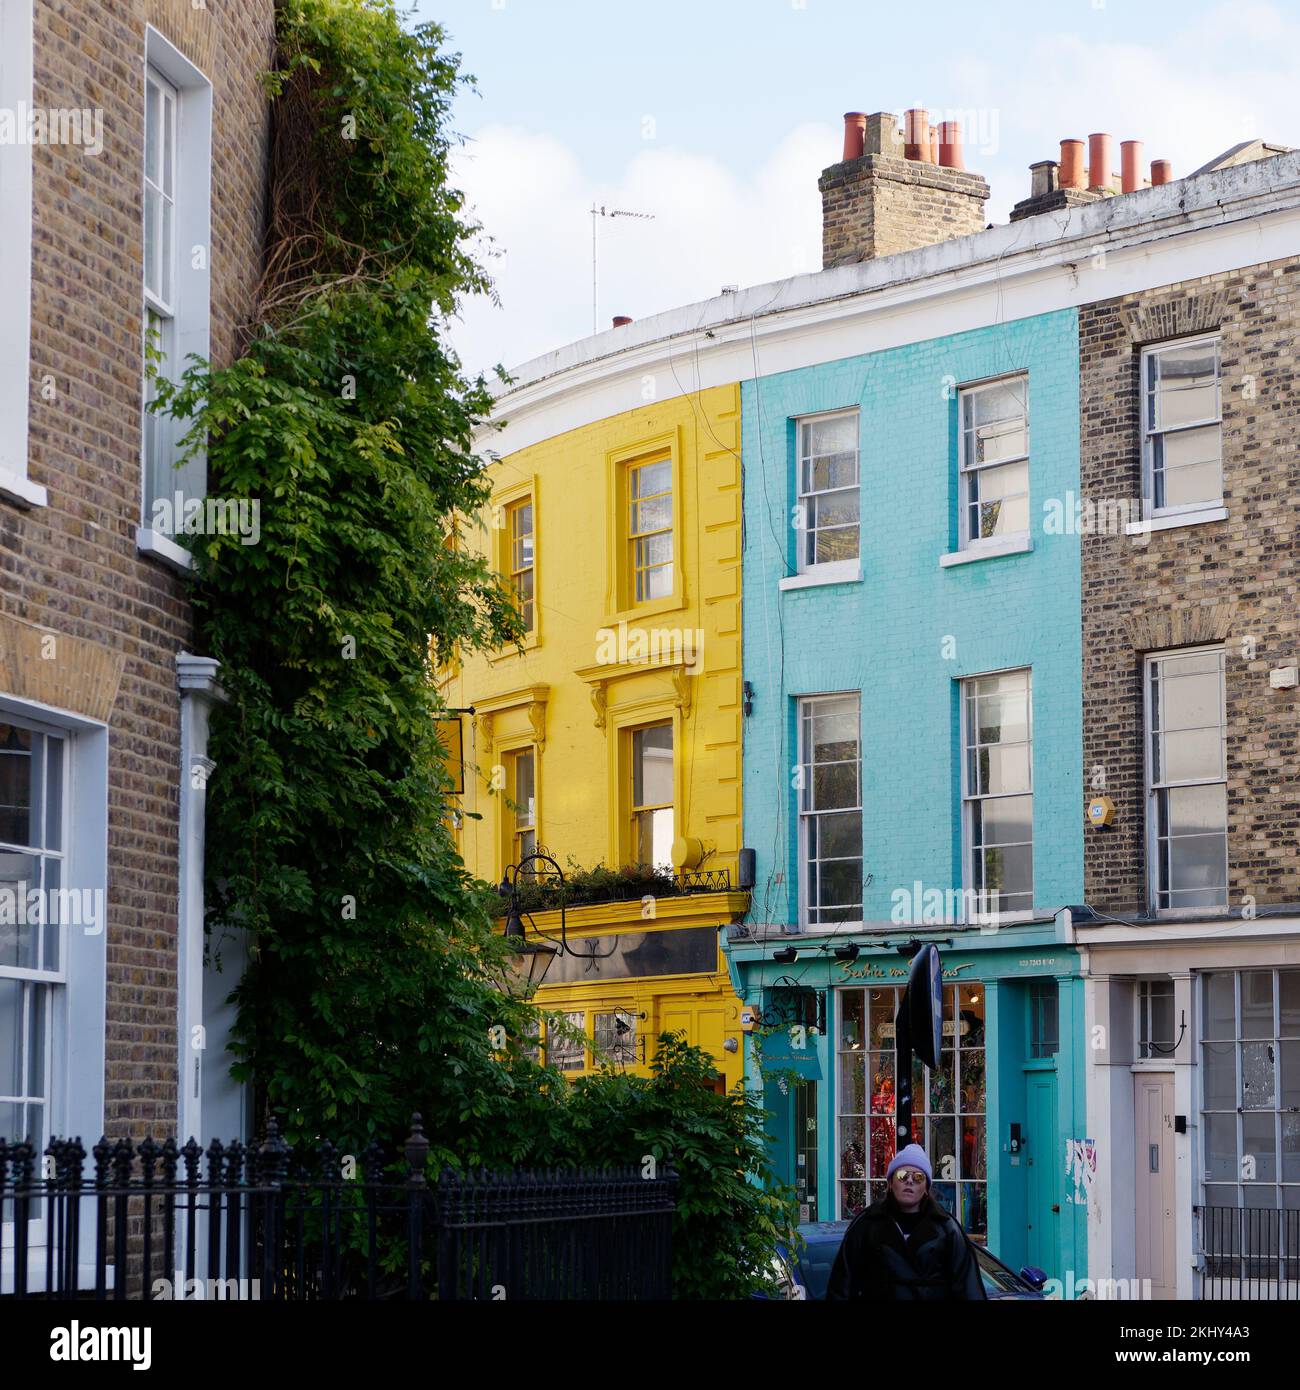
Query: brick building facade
{"points": [[1190, 611], [96, 673], [1233, 581]]}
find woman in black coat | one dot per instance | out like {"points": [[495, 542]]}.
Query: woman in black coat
{"points": [[906, 1246]]}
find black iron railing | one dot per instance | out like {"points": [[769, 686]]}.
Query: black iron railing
{"points": [[267, 1221], [705, 881], [1249, 1253]]}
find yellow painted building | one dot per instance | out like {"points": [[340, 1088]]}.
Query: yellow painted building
{"points": [[613, 736]]}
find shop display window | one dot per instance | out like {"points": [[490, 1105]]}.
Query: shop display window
{"points": [[948, 1108]]}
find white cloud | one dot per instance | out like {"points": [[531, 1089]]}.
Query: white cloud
{"points": [[710, 228], [1223, 79]]}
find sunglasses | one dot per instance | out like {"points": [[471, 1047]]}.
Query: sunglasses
{"points": [[909, 1175]]}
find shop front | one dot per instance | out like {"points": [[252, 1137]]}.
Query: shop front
{"points": [[625, 979], [1002, 1117]]}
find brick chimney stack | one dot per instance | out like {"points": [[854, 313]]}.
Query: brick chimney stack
{"points": [[894, 196]]}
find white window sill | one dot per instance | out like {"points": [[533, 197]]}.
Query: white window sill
{"points": [[163, 548], [15, 487], [988, 550], [1167, 523], [840, 572]]}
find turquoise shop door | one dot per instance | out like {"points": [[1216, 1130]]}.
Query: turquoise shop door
{"points": [[804, 1143], [780, 1126], [1043, 1162]]}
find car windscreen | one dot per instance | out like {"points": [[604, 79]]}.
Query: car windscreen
{"points": [[997, 1277]]}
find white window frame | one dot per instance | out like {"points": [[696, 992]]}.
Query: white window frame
{"points": [[966, 470], [805, 816], [77, 1016], [1149, 510], [189, 309], [162, 304], [969, 797], [16, 93], [847, 568], [1152, 790], [54, 981]]}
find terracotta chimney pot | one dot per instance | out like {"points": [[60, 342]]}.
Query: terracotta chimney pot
{"points": [[855, 130], [1161, 171], [620, 320], [950, 145], [916, 132], [1072, 164], [1099, 171], [1131, 160]]}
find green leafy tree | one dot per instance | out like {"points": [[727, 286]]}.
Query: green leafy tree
{"points": [[349, 422], [731, 1211]]}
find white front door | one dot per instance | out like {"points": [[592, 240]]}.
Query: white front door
{"points": [[1153, 1186]]}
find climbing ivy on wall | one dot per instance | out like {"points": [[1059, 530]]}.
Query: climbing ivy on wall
{"points": [[349, 421]]}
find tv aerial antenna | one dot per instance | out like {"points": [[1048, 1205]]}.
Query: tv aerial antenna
{"points": [[596, 213]]}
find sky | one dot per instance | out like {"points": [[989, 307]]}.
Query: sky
{"points": [[717, 116]]}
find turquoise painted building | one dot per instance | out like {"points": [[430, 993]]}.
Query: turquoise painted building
{"points": [[913, 770]]}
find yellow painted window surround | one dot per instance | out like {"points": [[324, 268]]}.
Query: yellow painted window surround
{"points": [[650, 530], [520, 541]]}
